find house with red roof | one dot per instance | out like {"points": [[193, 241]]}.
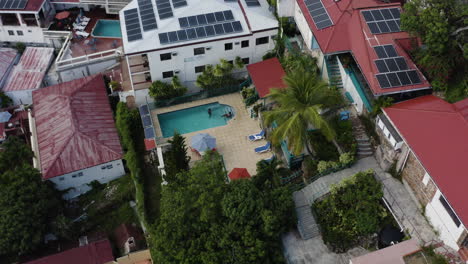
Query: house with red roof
{"points": [[28, 75], [360, 47], [429, 137], [74, 137], [99, 252]]}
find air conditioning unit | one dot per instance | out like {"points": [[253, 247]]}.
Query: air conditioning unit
{"points": [[176, 71], [208, 48], [174, 53]]}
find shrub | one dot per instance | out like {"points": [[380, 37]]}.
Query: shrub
{"points": [[323, 166], [20, 47], [162, 91], [325, 150], [344, 133], [5, 101], [347, 158]]}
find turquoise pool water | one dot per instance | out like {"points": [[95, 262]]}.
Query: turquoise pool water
{"points": [[193, 119], [107, 28]]}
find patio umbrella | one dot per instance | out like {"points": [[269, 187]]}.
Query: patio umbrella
{"points": [[203, 142], [239, 173], [4, 117], [62, 15]]}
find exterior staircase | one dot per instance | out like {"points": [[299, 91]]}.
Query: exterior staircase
{"points": [[306, 224], [334, 73], [364, 146]]}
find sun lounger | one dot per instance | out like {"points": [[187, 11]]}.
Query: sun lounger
{"points": [[82, 33], [255, 137], [78, 27], [264, 148], [83, 18]]}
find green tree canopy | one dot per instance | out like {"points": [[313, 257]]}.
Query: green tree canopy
{"points": [[161, 91], [205, 220], [27, 205], [219, 75], [176, 159], [5, 101], [300, 106]]}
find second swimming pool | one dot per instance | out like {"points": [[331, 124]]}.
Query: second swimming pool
{"points": [[194, 119]]}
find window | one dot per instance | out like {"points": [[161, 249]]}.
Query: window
{"points": [[231, 62], [80, 174], [29, 31], [19, 32], [109, 166], [244, 44], [425, 179], [245, 61], [228, 46], [198, 51], [11, 32], [165, 56], [261, 41], [74, 176], [449, 211], [199, 69], [103, 167], [168, 74], [62, 178]]}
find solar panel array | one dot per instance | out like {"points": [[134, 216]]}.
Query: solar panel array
{"points": [[164, 9], [251, 3], [206, 19], [393, 69], [200, 32], [179, 3], [146, 120], [382, 21], [148, 18], [318, 13], [132, 24], [13, 4]]}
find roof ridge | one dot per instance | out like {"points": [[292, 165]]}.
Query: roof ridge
{"points": [[424, 110], [64, 145], [97, 142]]}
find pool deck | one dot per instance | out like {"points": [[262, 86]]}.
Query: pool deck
{"points": [[231, 139]]}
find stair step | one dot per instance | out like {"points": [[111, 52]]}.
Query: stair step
{"points": [[365, 140], [363, 144], [364, 153]]}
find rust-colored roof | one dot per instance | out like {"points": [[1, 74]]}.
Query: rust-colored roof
{"points": [[437, 133], [350, 33], [7, 57], [239, 173], [31, 69], [94, 253], [390, 255], [266, 75], [75, 127]]}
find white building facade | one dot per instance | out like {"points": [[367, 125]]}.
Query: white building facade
{"points": [[150, 58]]}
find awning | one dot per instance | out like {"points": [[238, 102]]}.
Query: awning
{"points": [[266, 75], [62, 15]]}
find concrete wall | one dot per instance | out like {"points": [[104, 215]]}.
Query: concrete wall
{"points": [[86, 70], [30, 34], [285, 8], [79, 179], [443, 223], [349, 86]]}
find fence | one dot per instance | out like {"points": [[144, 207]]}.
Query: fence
{"points": [[195, 96]]}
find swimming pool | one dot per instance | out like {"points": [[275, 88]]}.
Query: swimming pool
{"points": [[107, 29], [193, 119]]}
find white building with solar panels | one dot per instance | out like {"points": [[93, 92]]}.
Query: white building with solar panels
{"points": [[163, 38], [24, 20]]}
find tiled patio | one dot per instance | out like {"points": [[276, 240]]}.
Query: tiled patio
{"points": [[232, 142]]}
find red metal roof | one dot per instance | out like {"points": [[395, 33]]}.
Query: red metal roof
{"points": [[94, 253], [150, 143], [75, 127], [7, 57], [239, 173], [437, 132], [31, 69], [266, 75], [350, 33]]}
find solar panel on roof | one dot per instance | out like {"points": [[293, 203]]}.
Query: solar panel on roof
{"points": [[391, 52], [252, 3], [399, 78], [383, 81], [228, 15], [148, 18], [179, 3], [380, 52], [192, 20], [146, 120], [382, 21], [401, 62], [164, 9], [219, 16], [202, 20], [391, 64], [149, 132], [144, 110], [13, 4], [200, 32], [414, 77], [318, 13], [381, 66], [132, 24], [404, 79], [206, 19]]}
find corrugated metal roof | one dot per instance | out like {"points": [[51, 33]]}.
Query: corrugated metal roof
{"points": [[31, 69], [266, 75], [7, 57], [75, 127]]}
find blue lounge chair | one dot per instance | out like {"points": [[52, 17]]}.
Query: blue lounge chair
{"points": [[264, 148], [255, 137]]}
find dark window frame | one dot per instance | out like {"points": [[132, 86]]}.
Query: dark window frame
{"points": [[11, 32], [19, 32], [262, 41], [450, 211], [246, 61], [228, 46], [163, 56], [199, 51], [200, 69], [245, 43], [167, 74]]}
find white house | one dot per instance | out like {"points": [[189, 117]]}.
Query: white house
{"points": [[28, 74], [350, 39], [166, 38], [25, 20], [431, 137], [73, 135]]}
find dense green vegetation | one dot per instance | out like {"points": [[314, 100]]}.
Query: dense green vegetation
{"points": [[5, 101], [160, 90], [352, 210], [441, 25], [205, 220], [176, 159], [27, 205], [219, 75]]}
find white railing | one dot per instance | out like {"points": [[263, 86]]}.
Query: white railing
{"points": [[57, 34], [65, 47], [87, 59]]}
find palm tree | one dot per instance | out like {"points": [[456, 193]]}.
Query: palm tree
{"points": [[299, 107]]}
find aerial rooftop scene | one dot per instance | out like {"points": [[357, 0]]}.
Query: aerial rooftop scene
{"points": [[233, 131]]}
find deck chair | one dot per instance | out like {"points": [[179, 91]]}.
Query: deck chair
{"points": [[82, 33], [264, 148], [258, 136]]}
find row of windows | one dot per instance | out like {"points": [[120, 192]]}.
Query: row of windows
{"points": [[79, 174], [106, 167], [18, 32], [200, 69], [227, 46]]}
